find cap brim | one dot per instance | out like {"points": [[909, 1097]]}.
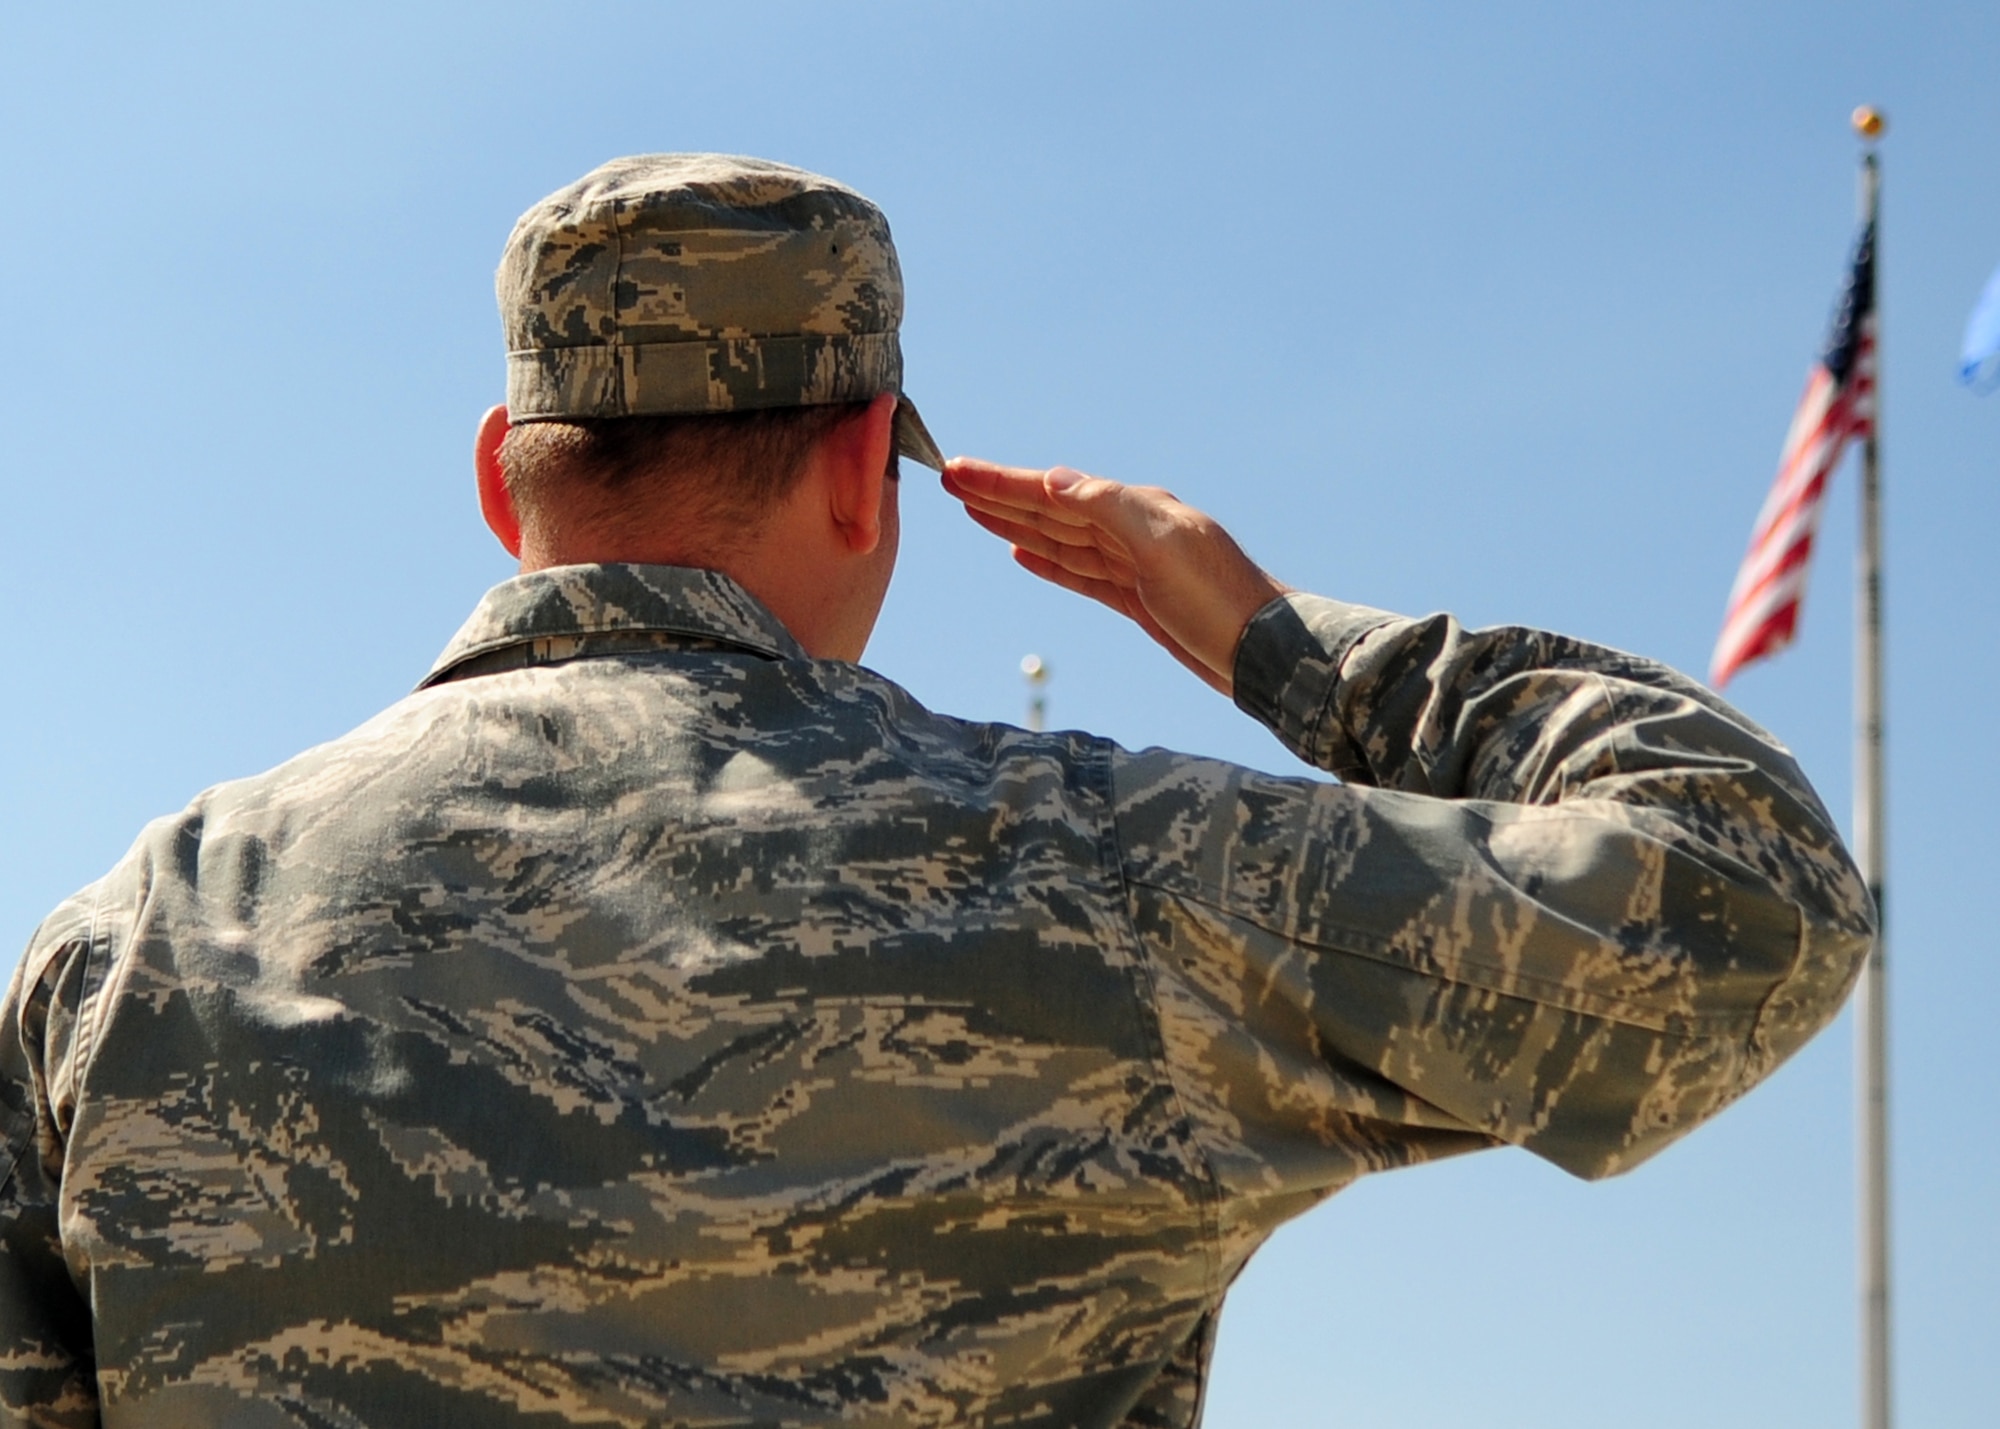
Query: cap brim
{"points": [[913, 438]]}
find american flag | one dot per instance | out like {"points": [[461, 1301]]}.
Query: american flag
{"points": [[1839, 403]]}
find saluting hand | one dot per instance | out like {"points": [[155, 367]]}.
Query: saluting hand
{"points": [[1137, 549]]}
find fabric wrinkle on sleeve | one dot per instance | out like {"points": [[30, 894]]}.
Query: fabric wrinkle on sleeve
{"points": [[1587, 908], [44, 1010]]}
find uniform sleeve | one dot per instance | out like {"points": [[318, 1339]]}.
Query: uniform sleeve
{"points": [[1565, 899], [47, 1368]]}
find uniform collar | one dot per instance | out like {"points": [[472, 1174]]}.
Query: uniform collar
{"points": [[616, 599]]}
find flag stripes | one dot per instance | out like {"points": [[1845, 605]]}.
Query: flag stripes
{"points": [[1839, 404]]}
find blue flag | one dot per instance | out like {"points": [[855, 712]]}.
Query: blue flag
{"points": [[1979, 364]]}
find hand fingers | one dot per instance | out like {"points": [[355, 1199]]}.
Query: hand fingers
{"points": [[1085, 560], [1062, 504], [1125, 601], [1109, 541], [1121, 598], [1020, 489], [1054, 525], [991, 477], [1062, 498], [977, 469], [992, 484], [1096, 587]]}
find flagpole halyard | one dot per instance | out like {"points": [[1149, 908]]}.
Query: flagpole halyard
{"points": [[1871, 1011]]}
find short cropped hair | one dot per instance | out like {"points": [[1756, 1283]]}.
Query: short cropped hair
{"points": [[721, 470]]}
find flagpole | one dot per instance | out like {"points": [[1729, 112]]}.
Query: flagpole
{"points": [[1872, 1011]]}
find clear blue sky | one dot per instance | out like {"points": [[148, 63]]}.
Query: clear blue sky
{"points": [[1501, 310]]}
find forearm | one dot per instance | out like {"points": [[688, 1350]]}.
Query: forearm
{"points": [[1518, 716], [1591, 906]]}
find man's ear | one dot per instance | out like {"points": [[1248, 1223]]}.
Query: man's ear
{"points": [[496, 502], [858, 454]]}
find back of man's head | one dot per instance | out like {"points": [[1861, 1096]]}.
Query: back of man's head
{"points": [[682, 329]]}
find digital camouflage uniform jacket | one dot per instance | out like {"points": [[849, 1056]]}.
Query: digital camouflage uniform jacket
{"points": [[646, 1024]]}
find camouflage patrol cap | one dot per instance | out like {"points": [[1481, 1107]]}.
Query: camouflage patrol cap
{"points": [[685, 283]]}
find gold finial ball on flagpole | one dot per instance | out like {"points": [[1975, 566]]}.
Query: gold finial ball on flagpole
{"points": [[1869, 122]]}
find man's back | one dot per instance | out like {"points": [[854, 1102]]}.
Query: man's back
{"points": [[646, 1024], [674, 1034]]}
